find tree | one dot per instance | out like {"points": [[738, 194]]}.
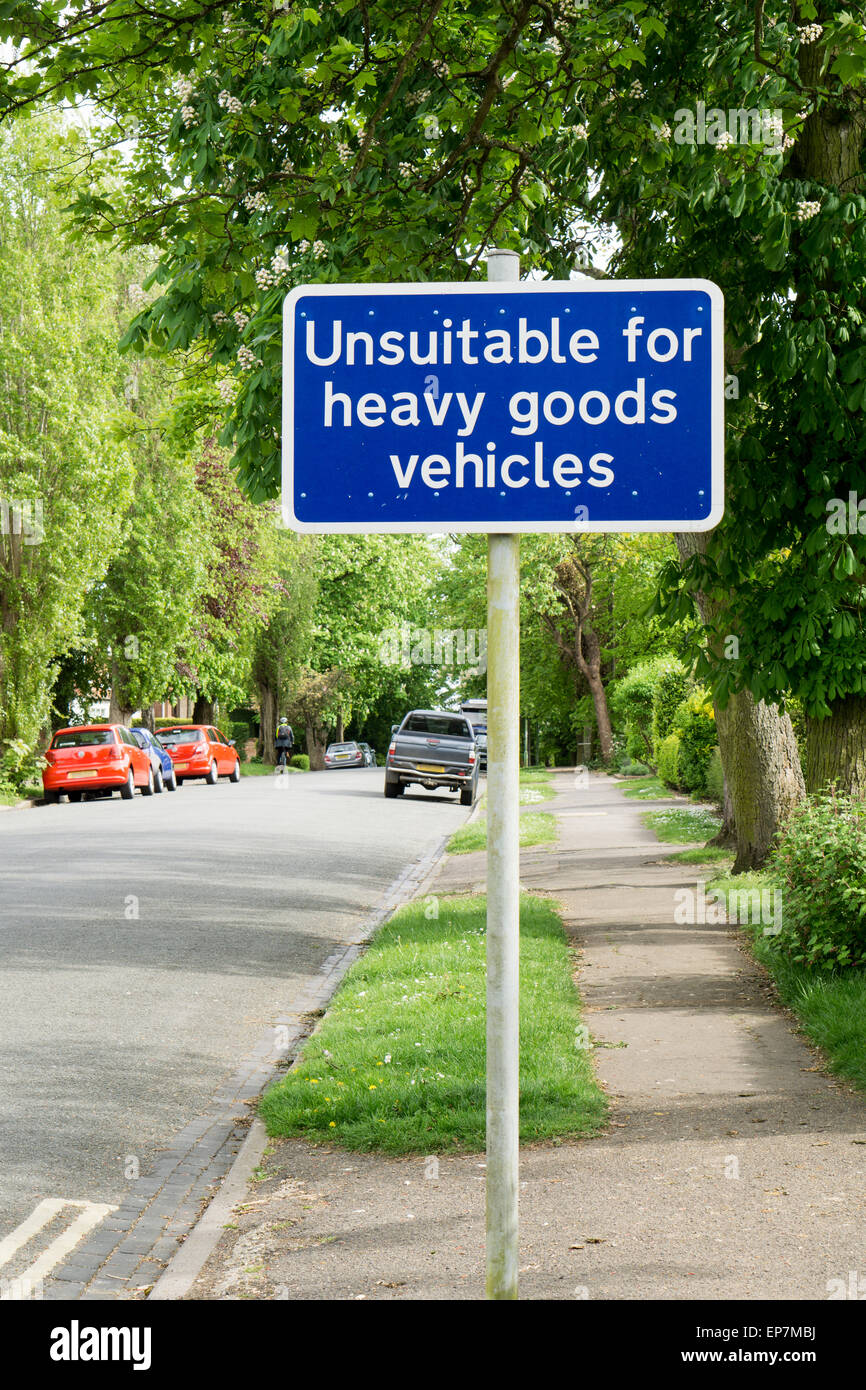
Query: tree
{"points": [[313, 698], [275, 145], [282, 643], [776, 216], [143, 611], [65, 474]]}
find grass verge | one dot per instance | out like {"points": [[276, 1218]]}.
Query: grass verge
{"points": [[830, 1007], [682, 826], [257, 769], [536, 828], [647, 789], [398, 1063], [705, 854]]}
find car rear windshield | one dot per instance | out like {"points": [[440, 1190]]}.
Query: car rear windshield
{"points": [[83, 738], [343, 748], [175, 736], [440, 726]]}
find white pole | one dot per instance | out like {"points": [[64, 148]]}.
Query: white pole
{"points": [[503, 887]]}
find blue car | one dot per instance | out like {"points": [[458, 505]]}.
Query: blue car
{"points": [[164, 774]]}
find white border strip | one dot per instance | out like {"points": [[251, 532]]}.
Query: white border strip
{"points": [[443, 288]]}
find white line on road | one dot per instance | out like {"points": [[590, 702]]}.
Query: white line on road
{"points": [[90, 1215]]}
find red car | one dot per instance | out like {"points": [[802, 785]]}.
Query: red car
{"points": [[199, 750], [95, 757]]}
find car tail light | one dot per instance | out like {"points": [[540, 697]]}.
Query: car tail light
{"points": [[471, 759], [392, 750]]}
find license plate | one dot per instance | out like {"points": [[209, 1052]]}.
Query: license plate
{"points": [[91, 773], [181, 767], [430, 767]]}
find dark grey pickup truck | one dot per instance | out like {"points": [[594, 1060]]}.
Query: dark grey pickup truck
{"points": [[434, 749]]}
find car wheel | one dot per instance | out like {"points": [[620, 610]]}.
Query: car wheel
{"points": [[392, 789], [171, 782], [235, 774], [467, 796], [148, 790], [212, 775], [74, 796], [127, 791], [51, 798], [158, 784]]}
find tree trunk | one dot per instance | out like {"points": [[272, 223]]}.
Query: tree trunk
{"points": [[727, 836], [203, 712], [759, 755], [316, 745], [340, 736], [836, 747], [268, 717], [147, 717], [117, 713], [762, 772], [602, 714]]}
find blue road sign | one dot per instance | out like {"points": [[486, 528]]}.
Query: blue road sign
{"points": [[549, 406]]}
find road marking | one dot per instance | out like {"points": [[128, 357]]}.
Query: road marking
{"points": [[90, 1215]]}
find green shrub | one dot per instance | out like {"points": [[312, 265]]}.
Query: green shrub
{"points": [[695, 722], [671, 689], [300, 760], [633, 699], [716, 777], [669, 760], [820, 860]]}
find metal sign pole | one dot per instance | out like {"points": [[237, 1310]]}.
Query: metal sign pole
{"points": [[503, 887]]}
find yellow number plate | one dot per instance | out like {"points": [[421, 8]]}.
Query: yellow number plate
{"points": [[430, 767]]}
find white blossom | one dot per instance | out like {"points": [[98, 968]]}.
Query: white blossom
{"points": [[279, 266], [406, 169], [580, 132], [241, 319], [345, 152], [663, 131], [232, 104], [219, 318], [264, 278], [806, 208], [440, 67], [255, 202], [187, 115], [724, 140], [554, 46], [226, 389], [319, 248], [810, 33], [635, 90], [183, 89], [247, 358]]}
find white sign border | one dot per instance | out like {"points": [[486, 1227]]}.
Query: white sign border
{"points": [[446, 287]]}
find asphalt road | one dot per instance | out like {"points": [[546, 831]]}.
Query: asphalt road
{"points": [[146, 945]]}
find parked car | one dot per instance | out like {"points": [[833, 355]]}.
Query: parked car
{"points": [[435, 749], [476, 713], [345, 755], [96, 758], [200, 750], [164, 774], [369, 754]]}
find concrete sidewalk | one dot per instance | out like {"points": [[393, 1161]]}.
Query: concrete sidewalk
{"points": [[733, 1167]]}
